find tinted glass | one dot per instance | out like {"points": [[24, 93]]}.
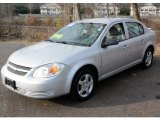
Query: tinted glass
{"points": [[134, 29], [116, 32]]}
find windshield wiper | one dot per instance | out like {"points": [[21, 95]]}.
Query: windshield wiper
{"points": [[63, 42], [49, 40]]}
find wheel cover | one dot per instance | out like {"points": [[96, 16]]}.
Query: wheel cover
{"points": [[85, 85], [148, 60]]}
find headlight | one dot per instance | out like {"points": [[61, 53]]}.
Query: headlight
{"points": [[48, 70]]}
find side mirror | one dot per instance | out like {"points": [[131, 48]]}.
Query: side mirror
{"points": [[106, 42]]}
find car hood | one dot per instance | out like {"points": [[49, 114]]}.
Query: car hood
{"points": [[44, 53]]}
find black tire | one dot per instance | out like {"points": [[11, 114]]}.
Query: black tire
{"points": [[74, 93], [146, 64]]}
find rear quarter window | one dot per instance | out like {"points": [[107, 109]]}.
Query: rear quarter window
{"points": [[141, 29]]}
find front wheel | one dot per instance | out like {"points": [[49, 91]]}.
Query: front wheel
{"points": [[83, 85], [148, 58]]}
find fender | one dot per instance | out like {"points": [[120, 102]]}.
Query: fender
{"points": [[77, 67]]}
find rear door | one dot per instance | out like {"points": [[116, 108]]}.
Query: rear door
{"points": [[135, 42]]}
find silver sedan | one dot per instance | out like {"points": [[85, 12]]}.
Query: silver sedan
{"points": [[75, 58]]}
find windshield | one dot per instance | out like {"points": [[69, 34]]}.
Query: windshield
{"points": [[83, 34]]}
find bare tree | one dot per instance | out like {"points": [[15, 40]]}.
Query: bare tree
{"points": [[93, 8], [108, 10], [134, 11], [30, 6], [114, 10], [6, 10], [76, 12], [68, 12]]}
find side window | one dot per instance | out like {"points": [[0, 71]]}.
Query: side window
{"points": [[141, 29], [116, 32], [134, 29]]}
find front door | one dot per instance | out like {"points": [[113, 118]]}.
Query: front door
{"points": [[113, 56]]}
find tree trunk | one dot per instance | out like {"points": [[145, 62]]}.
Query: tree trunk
{"points": [[134, 10], [93, 8], [114, 9], [76, 12], [30, 8], [67, 12], [108, 10]]}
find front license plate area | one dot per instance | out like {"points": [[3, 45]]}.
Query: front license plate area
{"points": [[10, 83]]}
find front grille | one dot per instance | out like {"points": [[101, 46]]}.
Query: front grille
{"points": [[17, 69]]}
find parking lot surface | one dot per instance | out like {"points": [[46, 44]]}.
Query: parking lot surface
{"points": [[134, 92]]}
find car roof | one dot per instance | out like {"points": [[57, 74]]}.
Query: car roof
{"points": [[106, 20]]}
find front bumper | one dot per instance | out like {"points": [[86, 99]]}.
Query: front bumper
{"points": [[41, 88]]}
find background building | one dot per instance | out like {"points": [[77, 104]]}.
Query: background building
{"points": [[51, 8], [102, 9], [149, 10]]}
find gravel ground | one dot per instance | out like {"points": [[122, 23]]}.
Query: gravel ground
{"points": [[134, 92]]}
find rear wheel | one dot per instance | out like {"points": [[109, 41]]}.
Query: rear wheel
{"points": [[148, 58], [83, 85]]}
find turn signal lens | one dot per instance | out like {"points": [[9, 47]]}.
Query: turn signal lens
{"points": [[54, 69]]}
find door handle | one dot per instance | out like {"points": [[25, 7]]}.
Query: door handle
{"points": [[142, 41], [125, 46]]}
